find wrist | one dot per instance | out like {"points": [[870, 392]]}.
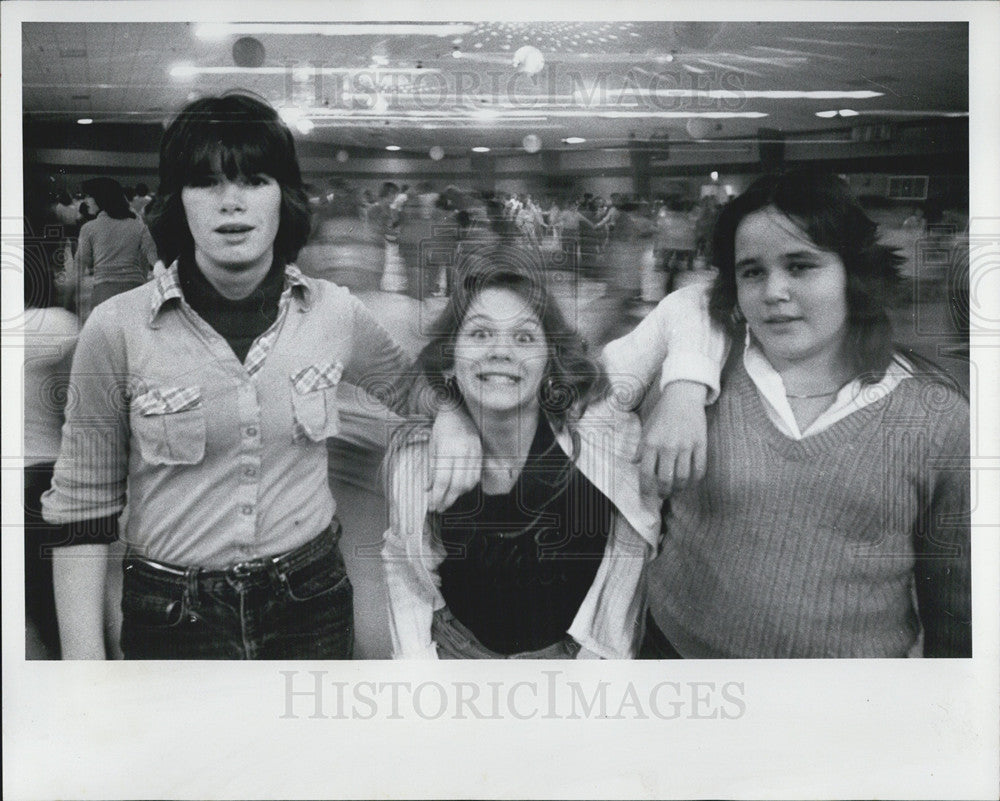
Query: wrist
{"points": [[687, 390]]}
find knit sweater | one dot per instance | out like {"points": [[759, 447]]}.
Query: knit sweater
{"points": [[841, 544]]}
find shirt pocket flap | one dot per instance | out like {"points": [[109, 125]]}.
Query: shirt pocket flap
{"points": [[317, 376], [167, 400], [314, 401], [168, 424]]}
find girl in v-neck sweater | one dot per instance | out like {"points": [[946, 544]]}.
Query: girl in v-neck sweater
{"points": [[833, 519]]}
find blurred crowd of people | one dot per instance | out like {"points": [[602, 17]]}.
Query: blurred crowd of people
{"points": [[637, 247]]}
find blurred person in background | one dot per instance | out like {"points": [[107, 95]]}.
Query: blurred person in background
{"points": [[50, 337], [116, 246], [675, 240], [140, 199], [569, 223]]}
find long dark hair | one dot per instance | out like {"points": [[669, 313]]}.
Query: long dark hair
{"points": [[239, 136], [573, 378], [822, 206], [109, 195]]}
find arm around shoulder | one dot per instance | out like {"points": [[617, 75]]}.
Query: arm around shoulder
{"points": [[676, 341]]}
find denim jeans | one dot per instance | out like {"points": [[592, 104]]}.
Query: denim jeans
{"points": [[39, 539], [455, 641], [295, 606]]}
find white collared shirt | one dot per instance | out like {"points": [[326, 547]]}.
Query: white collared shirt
{"points": [[681, 335], [851, 397]]}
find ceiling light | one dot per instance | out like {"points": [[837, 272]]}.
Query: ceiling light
{"points": [[183, 69], [85, 121], [480, 149], [188, 70], [574, 140], [222, 30], [529, 60], [714, 175], [393, 148], [778, 94], [666, 115], [581, 95], [885, 112]]}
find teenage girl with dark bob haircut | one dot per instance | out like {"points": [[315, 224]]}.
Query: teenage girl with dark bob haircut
{"points": [[833, 518], [208, 395], [254, 140], [544, 557]]}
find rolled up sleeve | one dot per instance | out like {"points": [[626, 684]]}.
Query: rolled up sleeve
{"points": [[91, 472], [383, 370], [677, 340]]}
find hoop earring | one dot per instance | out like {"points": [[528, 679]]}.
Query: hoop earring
{"points": [[451, 391]]}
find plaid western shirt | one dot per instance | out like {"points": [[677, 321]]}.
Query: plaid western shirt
{"points": [[223, 461]]}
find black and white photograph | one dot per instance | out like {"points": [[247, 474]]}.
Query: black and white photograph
{"points": [[356, 343]]}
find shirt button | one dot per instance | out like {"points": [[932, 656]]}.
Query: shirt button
{"points": [[247, 510], [251, 432], [250, 472]]}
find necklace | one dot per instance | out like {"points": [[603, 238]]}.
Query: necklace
{"points": [[812, 397], [504, 467]]}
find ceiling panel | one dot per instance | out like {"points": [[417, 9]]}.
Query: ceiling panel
{"points": [[460, 84]]}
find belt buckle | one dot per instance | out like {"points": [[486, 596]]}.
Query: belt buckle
{"points": [[242, 570]]}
